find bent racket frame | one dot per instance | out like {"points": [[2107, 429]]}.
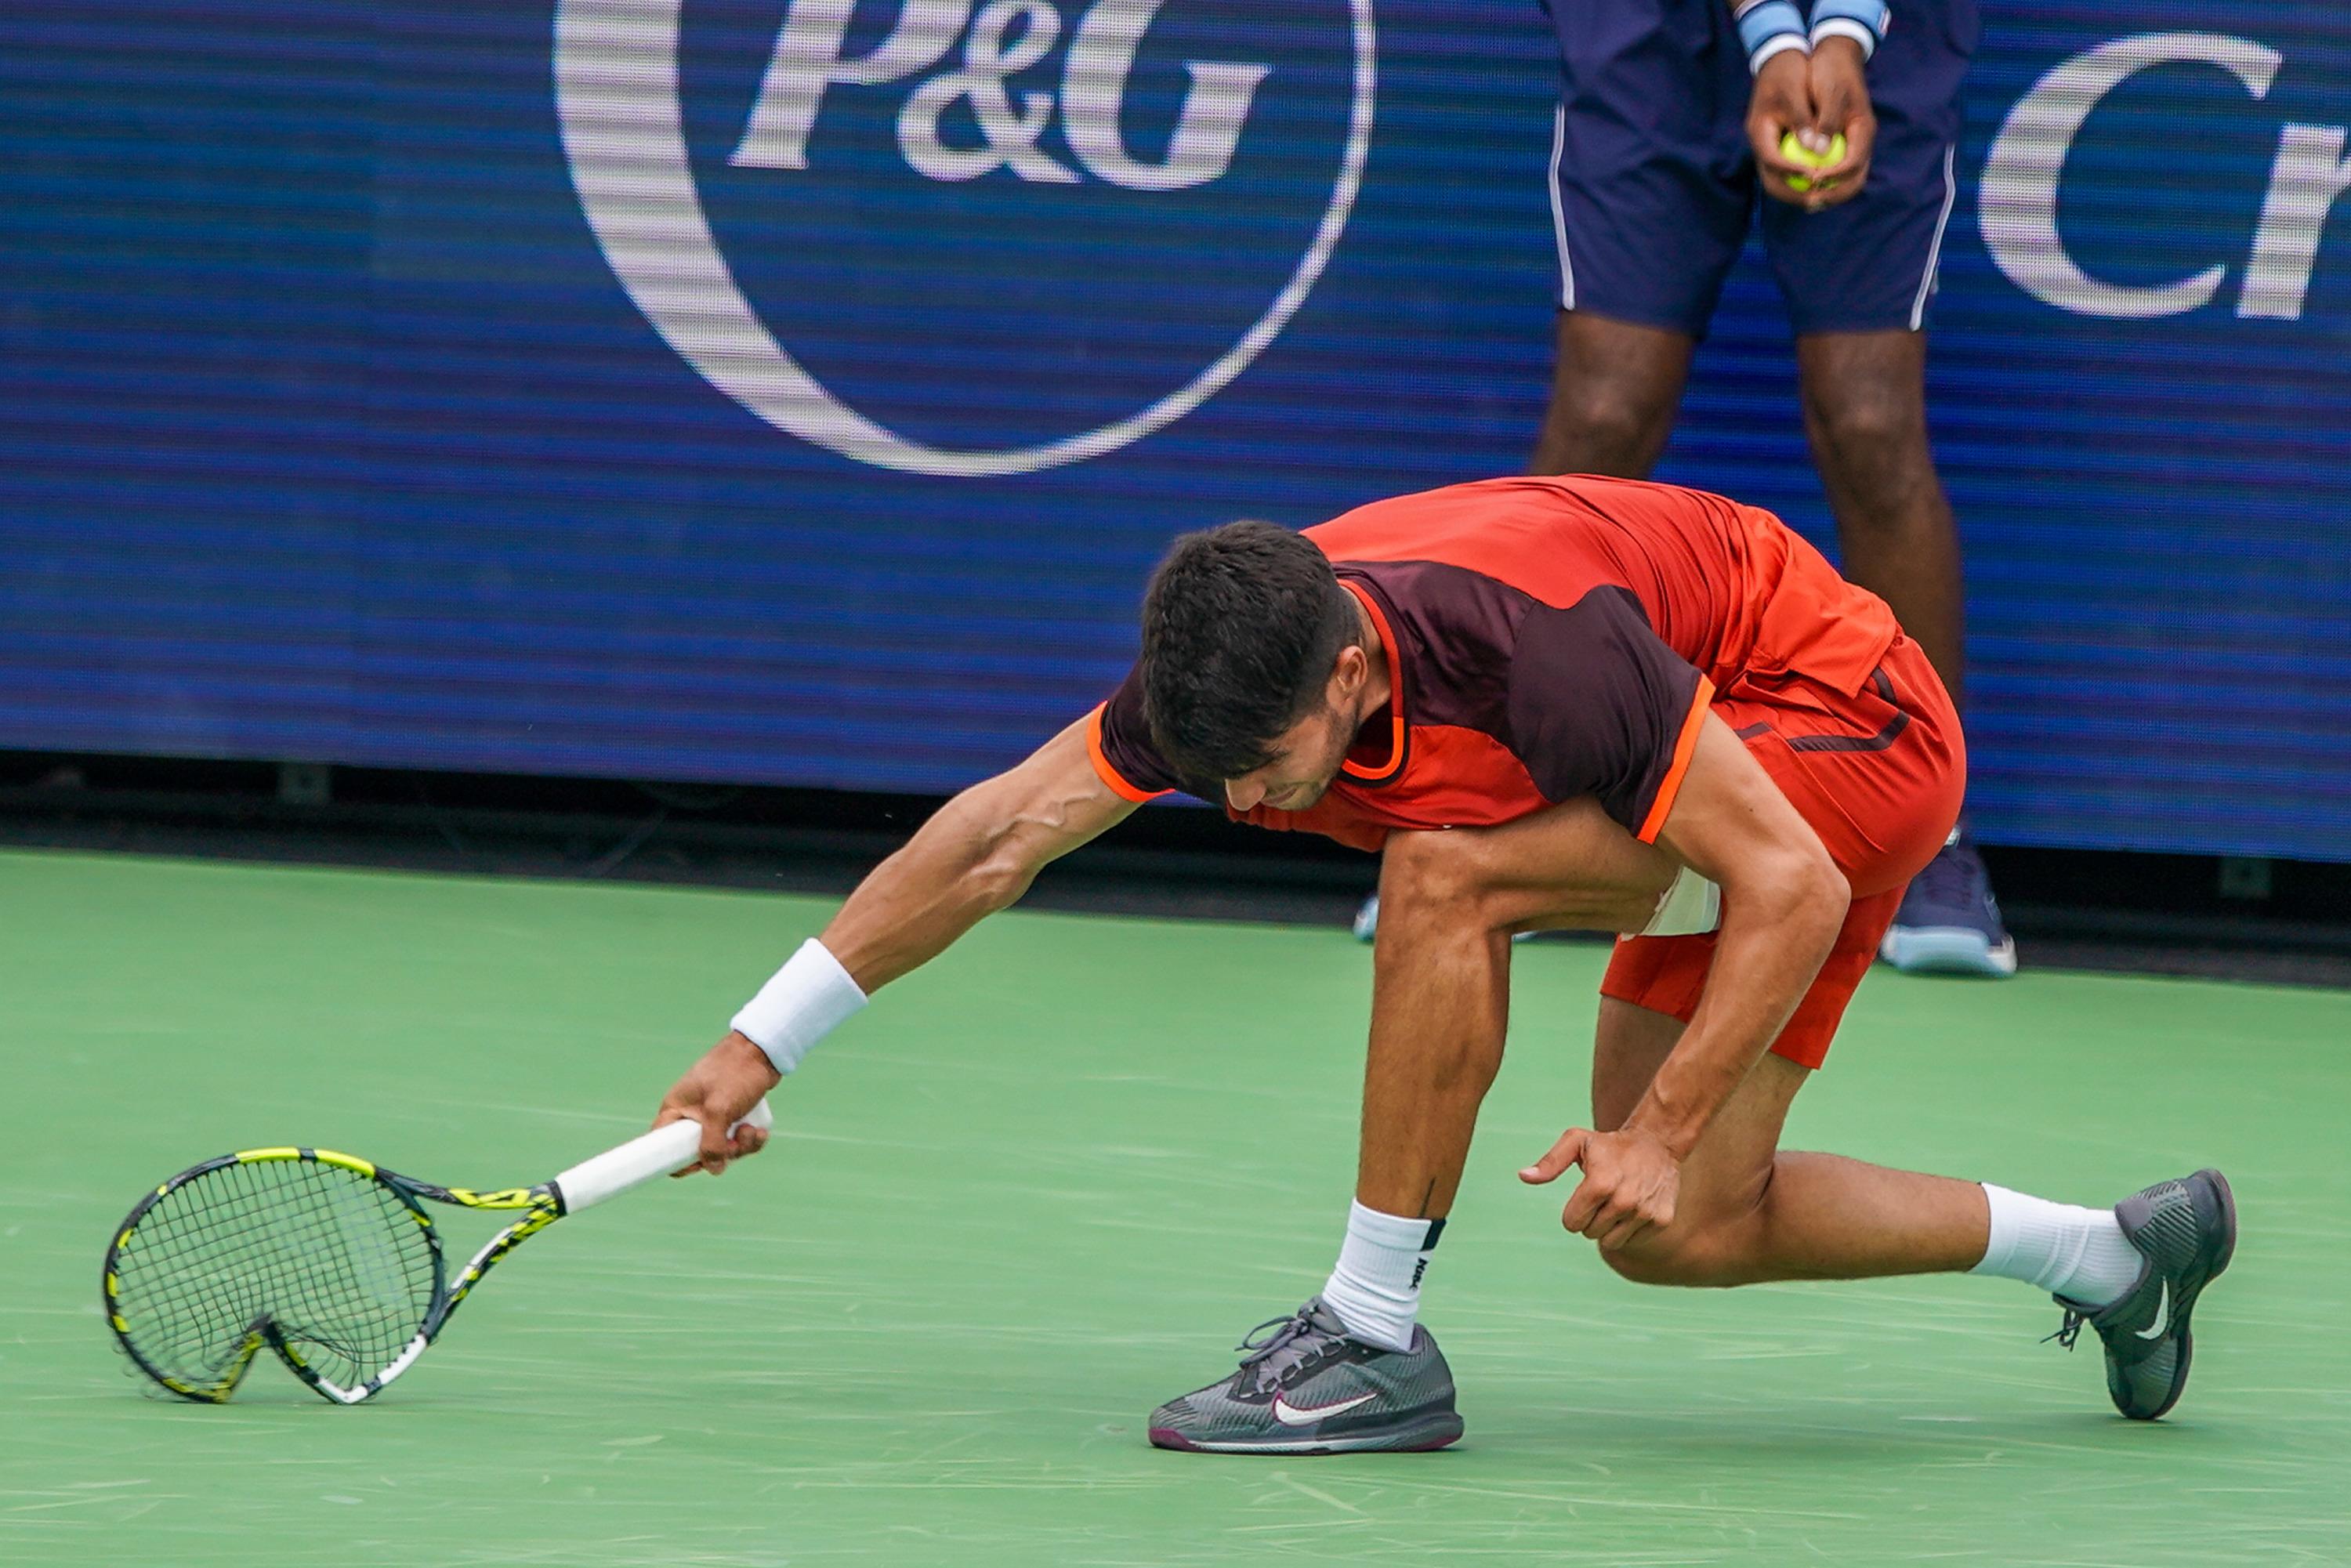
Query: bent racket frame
{"points": [[667, 1148]]}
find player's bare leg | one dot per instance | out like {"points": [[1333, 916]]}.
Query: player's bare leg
{"points": [[1351, 1370], [1616, 386], [1439, 1007], [1441, 975], [1748, 1211], [1864, 401]]}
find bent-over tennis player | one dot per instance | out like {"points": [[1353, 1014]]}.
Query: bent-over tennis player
{"points": [[1546, 703]]}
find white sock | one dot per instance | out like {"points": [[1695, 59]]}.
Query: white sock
{"points": [[2077, 1253], [1376, 1288]]}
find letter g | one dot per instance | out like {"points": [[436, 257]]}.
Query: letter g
{"points": [[1093, 90]]}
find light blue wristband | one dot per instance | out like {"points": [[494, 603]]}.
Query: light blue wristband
{"points": [[1863, 21], [1769, 26]]}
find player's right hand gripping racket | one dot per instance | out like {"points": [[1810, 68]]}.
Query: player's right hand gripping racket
{"points": [[330, 1261]]}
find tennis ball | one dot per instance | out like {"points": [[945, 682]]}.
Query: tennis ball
{"points": [[1795, 151]]}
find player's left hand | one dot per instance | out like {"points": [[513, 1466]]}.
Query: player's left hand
{"points": [[1839, 92], [1630, 1182]]}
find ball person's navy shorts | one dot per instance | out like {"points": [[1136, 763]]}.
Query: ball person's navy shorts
{"points": [[1653, 187]]}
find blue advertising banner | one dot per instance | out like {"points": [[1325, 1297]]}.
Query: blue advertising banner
{"points": [[796, 391]]}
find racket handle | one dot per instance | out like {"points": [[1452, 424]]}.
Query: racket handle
{"points": [[671, 1147]]}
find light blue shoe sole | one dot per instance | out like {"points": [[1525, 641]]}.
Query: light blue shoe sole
{"points": [[1948, 950]]}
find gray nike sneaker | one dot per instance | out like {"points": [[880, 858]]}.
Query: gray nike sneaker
{"points": [[1307, 1388], [2188, 1229]]}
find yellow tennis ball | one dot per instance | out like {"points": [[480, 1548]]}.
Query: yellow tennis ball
{"points": [[1796, 151]]}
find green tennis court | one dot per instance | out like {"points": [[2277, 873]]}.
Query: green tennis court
{"points": [[1044, 1186]]}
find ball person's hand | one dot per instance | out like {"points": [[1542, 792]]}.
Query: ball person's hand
{"points": [[1780, 103], [1840, 93], [1630, 1182], [718, 1091]]}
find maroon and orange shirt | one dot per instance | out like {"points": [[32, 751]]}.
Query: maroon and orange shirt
{"points": [[1546, 639]]}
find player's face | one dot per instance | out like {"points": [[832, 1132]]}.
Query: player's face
{"points": [[1306, 757]]}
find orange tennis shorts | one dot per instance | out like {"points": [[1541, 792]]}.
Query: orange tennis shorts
{"points": [[1878, 775]]}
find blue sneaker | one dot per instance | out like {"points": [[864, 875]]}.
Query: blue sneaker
{"points": [[1949, 923]]}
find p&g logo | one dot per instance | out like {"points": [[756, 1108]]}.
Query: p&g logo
{"points": [[1007, 37], [982, 106]]}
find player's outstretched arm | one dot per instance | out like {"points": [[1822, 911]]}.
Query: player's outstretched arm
{"points": [[976, 854]]}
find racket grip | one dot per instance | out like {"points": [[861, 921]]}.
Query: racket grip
{"points": [[671, 1147]]}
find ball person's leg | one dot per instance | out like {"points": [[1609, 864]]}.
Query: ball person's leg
{"points": [[1616, 386], [1865, 402]]}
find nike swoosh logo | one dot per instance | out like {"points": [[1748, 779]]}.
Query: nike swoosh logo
{"points": [[1290, 1414], [2162, 1312]]}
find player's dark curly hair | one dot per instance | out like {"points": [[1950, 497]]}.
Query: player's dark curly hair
{"points": [[1240, 627]]}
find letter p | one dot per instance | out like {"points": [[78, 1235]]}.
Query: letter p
{"points": [[808, 61]]}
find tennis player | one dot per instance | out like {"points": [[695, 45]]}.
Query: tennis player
{"points": [[1671, 119], [1546, 702]]}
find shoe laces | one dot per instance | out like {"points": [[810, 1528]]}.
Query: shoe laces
{"points": [[2068, 1331], [1295, 1339], [1954, 878]]}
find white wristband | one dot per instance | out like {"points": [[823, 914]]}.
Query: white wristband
{"points": [[1778, 44], [1846, 27], [805, 1000]]}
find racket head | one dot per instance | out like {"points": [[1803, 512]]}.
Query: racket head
{"points": [[320, 1256]]}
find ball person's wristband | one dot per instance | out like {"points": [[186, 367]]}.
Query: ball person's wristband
{"points": [[1863, 21], [1769, 27]]}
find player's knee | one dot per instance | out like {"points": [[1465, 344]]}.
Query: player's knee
{"points": [[1714, 1247], [1598, 426], [1864, 423], [1670, 1256], [1439, 874]]}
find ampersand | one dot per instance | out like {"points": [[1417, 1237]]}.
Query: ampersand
{"points": [[1009, 135]]}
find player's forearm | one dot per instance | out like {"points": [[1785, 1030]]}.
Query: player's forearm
{"points": [[1773, 940], [977, 856], [907, 912]]}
